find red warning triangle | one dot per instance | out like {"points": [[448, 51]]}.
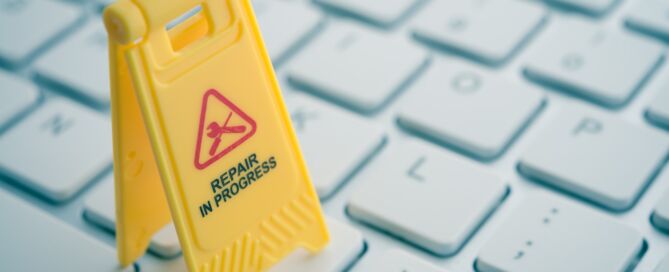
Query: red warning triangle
{"points": [[223, 127]]}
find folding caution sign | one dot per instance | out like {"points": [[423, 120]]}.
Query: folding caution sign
{"points": [[202, 138]]}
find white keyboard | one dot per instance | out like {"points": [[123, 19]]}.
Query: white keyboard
{"points": [[442, 135]]}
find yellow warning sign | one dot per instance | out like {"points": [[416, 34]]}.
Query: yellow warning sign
{"points": [[202, 137]]}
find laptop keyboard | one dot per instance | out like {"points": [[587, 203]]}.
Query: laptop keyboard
{"points": [[441, 135]]}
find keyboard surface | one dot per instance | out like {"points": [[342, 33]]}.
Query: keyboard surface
{"points": [[441, 135]]}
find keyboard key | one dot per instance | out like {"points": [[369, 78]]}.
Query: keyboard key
{"points": [[285, 25], [592, 7], [346, 245], [658, 111], [80, 64], [383, 13], [356, 66], [405, 186], [607, 67], [34, 241], [488, 31], [549, 234], [99, 208], [396, 260], [57, 150], [664, 265], [660, 217], [595, 156], [650, 17], [472, 109], [29, 24], [16, 96], [333, 156]]}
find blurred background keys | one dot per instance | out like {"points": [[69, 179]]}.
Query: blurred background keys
{"points": [[284, 25], [650, 17], [16, 96], [426, 196], [29, 25], [105, 2], [591, 7], [356, 66], [34, 241], [658, 111], [582, 58], [80, 64], [100, 209], [469, 108], [384, 13], [579, 140], [664, 265], [546, 233], [660, 216], [57, 150], [487, 31]]}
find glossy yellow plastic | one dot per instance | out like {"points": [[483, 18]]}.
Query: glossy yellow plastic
{"points": [[202, 137]]}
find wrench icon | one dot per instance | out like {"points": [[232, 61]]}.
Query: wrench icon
{"points": [[216, 131]]}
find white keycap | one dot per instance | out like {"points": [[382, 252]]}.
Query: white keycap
{"points": [[57, 150], [346, 245], [658, 111], [663, 266], [395, 260], [488, 31], [80, 63], [358, 67], [28, 24], [16, 95], [99, 208], [472, 109], [99, 205], [650, 17], [335, 143], [34, 241], [428, 197], [592, 7], [593, 155], [605, 66], [660, 217], [285, 24], [550, 234], [380, 12]]}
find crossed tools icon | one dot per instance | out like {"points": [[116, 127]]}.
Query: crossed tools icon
{"points": [[216, 132]]}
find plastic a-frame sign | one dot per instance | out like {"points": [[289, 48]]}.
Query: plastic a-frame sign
{"points": [[202, 138]]}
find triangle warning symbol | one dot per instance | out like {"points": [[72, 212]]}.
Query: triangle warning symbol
{"points": [[222, 128]]}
